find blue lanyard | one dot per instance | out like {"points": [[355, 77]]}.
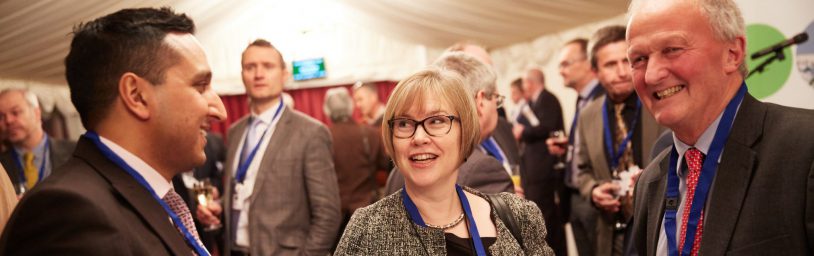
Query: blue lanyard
{"points": [[616, 155], [23, 179], [572, 133], [113, 157], [491, 147], [473, 229], [243, 167], [708, 169]]}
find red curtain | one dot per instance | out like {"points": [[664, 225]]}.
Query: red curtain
{"points": [[308, 101]]}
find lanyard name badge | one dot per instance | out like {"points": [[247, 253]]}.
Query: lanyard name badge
{"points": [[708, 169], [615, 156], [41, 172], [243, 167], [113, 157], [473, 229]]}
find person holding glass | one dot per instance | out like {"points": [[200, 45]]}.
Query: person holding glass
{"points": [[431, 125]]}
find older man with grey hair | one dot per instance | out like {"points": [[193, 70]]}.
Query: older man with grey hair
{"points": [[33, 154], [738, 179], [487, 170]]}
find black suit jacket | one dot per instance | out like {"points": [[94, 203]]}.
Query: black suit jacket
{"points": [[59, 152], [90, 206], [537, 164], [505, 140], [762, 198]]}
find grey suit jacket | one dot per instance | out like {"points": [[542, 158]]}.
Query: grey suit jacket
{"points": [[762, 198], [480, 171], [593, 162], [385, 228], [59, 152], [295, 203]]}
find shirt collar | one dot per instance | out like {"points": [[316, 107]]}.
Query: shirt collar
{"points": [[267, 115], [703, 143], [39, 150], [588, 89], [159, 184]]}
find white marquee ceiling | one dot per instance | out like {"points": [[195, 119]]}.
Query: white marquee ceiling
{"points": [[361, 40]]}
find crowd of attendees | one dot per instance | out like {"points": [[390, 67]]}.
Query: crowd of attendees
{"points": [[662, 118]]}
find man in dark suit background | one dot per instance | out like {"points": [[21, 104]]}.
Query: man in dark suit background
{"points": [[281, 193], [739, 175], [33, 154], [575, 70], [540, 181], [482, 170], [141, 84]]}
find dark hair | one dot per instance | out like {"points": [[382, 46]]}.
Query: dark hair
{"points": [[129, 40], [265, 43], [518, 83], [605, 36], [583, 45]]}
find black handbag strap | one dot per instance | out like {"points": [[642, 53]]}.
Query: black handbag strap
{"points": [[507, 217]]}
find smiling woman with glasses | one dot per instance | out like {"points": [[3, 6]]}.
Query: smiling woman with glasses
{"points": [[432, 125]]}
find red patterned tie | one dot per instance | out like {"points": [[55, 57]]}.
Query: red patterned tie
{"points": [[177, 205], [695, 160]]}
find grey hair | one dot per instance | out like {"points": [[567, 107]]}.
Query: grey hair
{"points": [[477, 76], [338, 105], [723, 15], [29, 96]]}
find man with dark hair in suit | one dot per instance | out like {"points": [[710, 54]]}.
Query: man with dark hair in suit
{"points": [[739, 178], [617, 120], [141, 84], [540, 181], [279, 169], [33, 154]]}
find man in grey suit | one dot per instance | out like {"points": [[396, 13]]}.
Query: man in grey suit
{"points": [[594, 160], [33, 154], [281, 195], [738, 179], [486, 170]]}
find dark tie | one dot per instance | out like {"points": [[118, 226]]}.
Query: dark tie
{"points": [[695, 160], [625, 160], [180, 208]]}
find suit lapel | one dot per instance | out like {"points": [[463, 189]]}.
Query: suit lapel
{"points": [[280, 137], [137, 196], [655, 206], [732, 178], [234, 139], [594, 139]]}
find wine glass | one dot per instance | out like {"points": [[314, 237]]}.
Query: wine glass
{"points": [[203, 191], [560, 140]]}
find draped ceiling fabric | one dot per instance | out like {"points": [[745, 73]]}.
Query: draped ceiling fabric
{"points": [[381, 40]]}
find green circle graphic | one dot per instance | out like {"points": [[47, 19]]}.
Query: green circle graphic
{"points": [[774, 76]]}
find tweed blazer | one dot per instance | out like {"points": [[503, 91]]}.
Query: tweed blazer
{"points": [[385, 228]]}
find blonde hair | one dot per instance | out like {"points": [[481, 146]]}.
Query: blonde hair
{"points": [[443, 85]]}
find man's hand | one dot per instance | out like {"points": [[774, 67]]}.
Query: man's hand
{"points": [[517, 130], [603, 197], [209, 215], [555, 146]]}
